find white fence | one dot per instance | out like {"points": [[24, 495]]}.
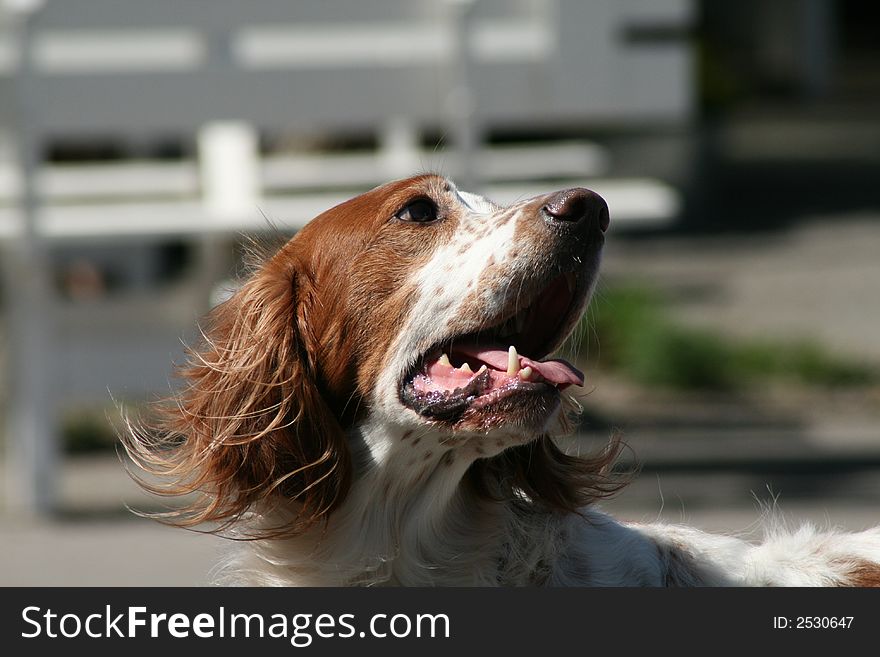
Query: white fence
{"points": [[221, 73]]}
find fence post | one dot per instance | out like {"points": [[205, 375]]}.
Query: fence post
{"points": [[31, 438], [460, 102], [229, 171]]}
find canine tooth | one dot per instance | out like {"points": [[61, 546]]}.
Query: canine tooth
{"points": [[525, 373], [444, 360], [482, 369], [512, 361], [466, 368]]}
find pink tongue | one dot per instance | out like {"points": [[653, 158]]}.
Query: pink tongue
{"points": [[560, 372]]}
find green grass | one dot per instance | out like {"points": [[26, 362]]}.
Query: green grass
{"points": [[95, 428], [637, 337], [87, 430]]}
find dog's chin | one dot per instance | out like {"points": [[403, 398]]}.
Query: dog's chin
{"points": [[519, 407], [525, 413]]}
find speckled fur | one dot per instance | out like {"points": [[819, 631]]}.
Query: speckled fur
{"points": [[292, 428]]}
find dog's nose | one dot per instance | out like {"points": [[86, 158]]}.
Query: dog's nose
{"points": [[578, 205]]}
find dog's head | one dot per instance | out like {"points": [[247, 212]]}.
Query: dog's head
{"points": [[414, 312]]}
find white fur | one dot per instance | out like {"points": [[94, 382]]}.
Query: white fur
{"points": [[409, 521], [433, 313], [431, 534]]}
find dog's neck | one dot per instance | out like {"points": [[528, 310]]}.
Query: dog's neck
{"points": [[411, 519]]}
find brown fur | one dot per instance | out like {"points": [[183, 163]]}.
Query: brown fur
{"points": [[863, 574], [251, 424], [287, 365]]}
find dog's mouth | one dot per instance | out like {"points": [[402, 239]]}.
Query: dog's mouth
{"points": [[483, 369]]}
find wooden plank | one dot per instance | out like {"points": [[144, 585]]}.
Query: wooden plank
{"points": [[214, 15], [290, 172], [633, 203]]}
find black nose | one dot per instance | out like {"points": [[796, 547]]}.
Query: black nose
{"points": [[578, 205]]}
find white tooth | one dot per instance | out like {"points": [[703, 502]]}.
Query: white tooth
{"points": [[466, 368], [525, 373], [512, 361], [444, 360], [482, 369]]}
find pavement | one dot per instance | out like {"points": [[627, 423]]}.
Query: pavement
{"points": [[817, 280], [717, 463], [97, 543], [725, 487]]}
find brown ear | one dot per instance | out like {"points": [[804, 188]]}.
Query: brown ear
{"points": [[250, 428]]}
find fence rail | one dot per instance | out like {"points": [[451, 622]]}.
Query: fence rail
{"points": [[137, 72]]}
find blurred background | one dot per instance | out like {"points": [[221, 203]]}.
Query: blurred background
{"points": [[735, 335]]}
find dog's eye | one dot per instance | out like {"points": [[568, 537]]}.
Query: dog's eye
{"points": [[419, 211]]}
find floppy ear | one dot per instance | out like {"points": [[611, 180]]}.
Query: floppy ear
{"points": [[250, 428]]}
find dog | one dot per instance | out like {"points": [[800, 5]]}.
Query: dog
{"points": [[376, 405]]}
